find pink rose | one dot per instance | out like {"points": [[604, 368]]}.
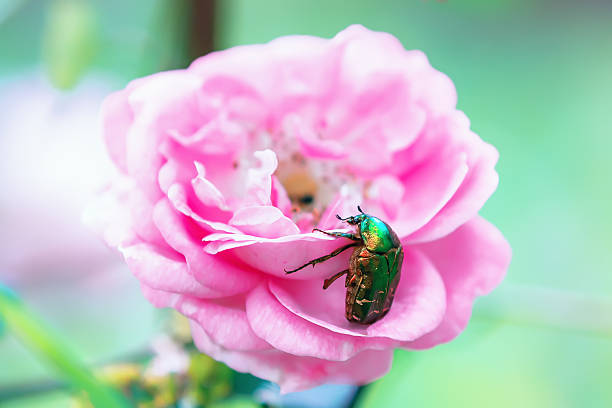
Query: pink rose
{"points": [[228, 165]]}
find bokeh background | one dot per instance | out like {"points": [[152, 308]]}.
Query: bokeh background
{"points": [[535, 78]]}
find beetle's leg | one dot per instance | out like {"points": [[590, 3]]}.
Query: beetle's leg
{"points": [[331, 280], [340, 234], [350, 281], [324, 258]]}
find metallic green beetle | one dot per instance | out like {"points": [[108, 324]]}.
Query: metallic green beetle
{"points": [[374, 268]]}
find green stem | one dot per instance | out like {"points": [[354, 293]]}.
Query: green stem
{"points": [[38, 338]]}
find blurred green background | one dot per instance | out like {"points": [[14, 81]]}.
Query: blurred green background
{"points": [[535, 78]]}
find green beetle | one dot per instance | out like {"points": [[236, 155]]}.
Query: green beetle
{"points": [[374, 268]]}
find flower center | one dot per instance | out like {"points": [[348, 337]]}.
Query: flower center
{"points": [[313, 184]]}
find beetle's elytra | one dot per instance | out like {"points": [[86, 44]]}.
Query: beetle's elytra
{"points": [[374, 267]]}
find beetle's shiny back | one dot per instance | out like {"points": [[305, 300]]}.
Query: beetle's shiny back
{"points": [[371, 284], [377, 235]]}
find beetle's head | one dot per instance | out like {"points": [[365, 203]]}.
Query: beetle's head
{"points": [[354, 219]]}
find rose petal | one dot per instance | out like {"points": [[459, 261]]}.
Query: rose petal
{"points": [[279, 197], [117, 116], [206, 191], [263, 221], [178, 197], [472, 261], [288, 332], [387, 192], [213, 317], [428, 188], [259, 179], [275, 255], [212, 271], [312, 145], [294, 373], [165, 101], [110, 217], [163, 270], [417, 309], [480, 182]]}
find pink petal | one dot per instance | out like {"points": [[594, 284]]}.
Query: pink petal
{"points": [[312, 144], [177, 195], [164, 101], [263, 221], [381, 108], [384, 52], [294, 373], [328, 220], [428, 188], [110, 217], [279, 197], [206, 191], [141, 210], [275, 255], [259, 179], [371, 156], [163, 270], [216, 272], [472, 261], [387, 192], [290, 333], [445, 150], [417, 309], [225, 323], [232, 99], [480, 182], [117, 117], [436, 91], [219, 136]]}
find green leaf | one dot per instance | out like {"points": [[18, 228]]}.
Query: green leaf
{"points": [[41, 340], [236, 402], [70, 41]]}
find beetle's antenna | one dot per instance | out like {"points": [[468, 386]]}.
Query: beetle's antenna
{"points": [[360, 210], [342, 219]]}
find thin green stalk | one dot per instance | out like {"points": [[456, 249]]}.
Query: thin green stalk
{"points": [[33, 333]]}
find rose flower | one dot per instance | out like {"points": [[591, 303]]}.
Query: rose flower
{"points": [[227, 166]]}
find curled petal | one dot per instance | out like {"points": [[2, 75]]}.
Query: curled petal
{"points": [[110, 217], [259, 179], [178, 198], [263, 221], [206, 191], [211, 271], [279, 197], [293, 373], [167, 102], [117, 116], [480, 182], [275, 255], [448, 140], [163, 270], [418, 306], [387, 192], [312, 145], [428, 188], [292, 334], [212, 316], [472, 261]]}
